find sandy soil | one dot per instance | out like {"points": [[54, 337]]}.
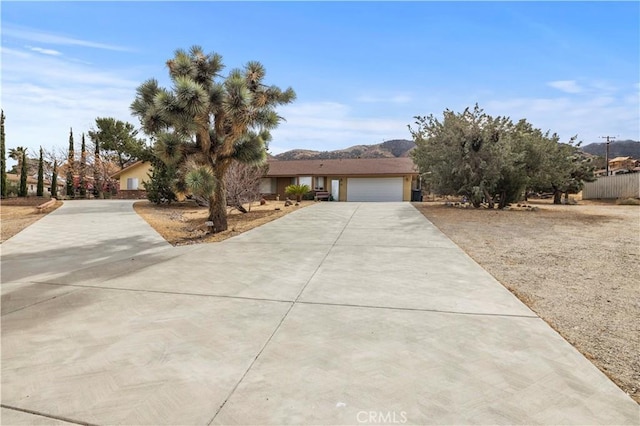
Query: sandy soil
{"points": [[183, 223], [18, 213], [576, 266]]}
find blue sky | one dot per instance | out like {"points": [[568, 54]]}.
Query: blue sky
{"points": [[361, 70]]}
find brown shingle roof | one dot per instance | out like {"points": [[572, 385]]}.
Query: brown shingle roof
{"points": [[359, 166]]}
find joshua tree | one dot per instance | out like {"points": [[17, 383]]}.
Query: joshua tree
{"points": [[205, 122]]}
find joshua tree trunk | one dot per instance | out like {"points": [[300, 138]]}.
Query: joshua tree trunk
{"points": [[218, 202]]}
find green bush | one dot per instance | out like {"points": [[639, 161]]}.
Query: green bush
{"points": [[298, 191]]}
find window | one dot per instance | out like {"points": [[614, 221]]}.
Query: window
{"points": [[132, 183], [267, 186], [304, 180], [319, 183]]}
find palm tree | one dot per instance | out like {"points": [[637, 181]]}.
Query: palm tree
{"points": [[17, 153], [205, 122], [297, 190]]}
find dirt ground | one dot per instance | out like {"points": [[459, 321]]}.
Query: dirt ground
{"points": [[18, 213], [183, 223], [576, 266]]}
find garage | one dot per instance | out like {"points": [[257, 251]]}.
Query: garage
{"points": [[374, 189]]}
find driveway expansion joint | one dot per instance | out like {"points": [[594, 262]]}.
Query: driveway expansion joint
{"points": [[284, 317], [47, 416], [400, 308]]}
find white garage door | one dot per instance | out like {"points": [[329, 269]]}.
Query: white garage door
{"points": [[374, 189]]}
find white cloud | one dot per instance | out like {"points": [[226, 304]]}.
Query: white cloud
{"points": [[55, 39], [567, 86], [326, 126], [400, 98], [43, 96], [44, 51], [588, 116]]}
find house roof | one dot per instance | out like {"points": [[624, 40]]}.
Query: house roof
{"points": [[138, 163], [351, 166], [16, 178], [619, 159]]}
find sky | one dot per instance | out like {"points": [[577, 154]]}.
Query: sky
{"points": [[361, 70]]}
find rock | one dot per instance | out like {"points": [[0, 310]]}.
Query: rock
{"points": [[288, 203], [263, 201]]}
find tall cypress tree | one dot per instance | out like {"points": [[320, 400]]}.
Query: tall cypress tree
{"points": [[97, 167], [54, 180], [83, 169], [23, 176], [40, 189], [3, 159], [70, 167]]}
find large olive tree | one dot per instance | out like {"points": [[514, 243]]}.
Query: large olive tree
{"points": [[206, 121]]}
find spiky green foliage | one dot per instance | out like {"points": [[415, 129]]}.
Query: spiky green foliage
{"points": [[200, 179], [206, 121], [40, 187], [3, 159], [23, 192], [70, 167], [54, 179], [297, 190]]}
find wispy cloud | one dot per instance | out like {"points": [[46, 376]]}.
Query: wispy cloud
{"points": [[394, 99], [44, 51], [44, 95], [567, 86], [326, 126], [588, 116], [38, 36]]}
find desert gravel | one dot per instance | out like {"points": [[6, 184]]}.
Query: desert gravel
{"points": [[576, 266]]}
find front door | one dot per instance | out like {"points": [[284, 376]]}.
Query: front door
{"points": [[335, 189]]}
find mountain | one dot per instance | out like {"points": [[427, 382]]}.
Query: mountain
{"points": [[387, 149], [627, 148]]}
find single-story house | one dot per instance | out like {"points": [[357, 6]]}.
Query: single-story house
{"points": [[13, 182], [362, 179], [132, 178]]}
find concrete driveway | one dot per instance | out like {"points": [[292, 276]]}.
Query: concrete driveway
{"points": [[339, 313]]}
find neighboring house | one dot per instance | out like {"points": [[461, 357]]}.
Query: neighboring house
{"points": [[132, 178], [13, 183], [621, 165], [366, 179]]}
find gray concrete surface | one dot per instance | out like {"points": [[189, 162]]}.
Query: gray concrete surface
{"points": [[339, 313]]}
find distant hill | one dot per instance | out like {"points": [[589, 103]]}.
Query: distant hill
{"points": [[627, 148], [387, 149]]}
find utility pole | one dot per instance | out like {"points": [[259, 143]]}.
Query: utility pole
{"points": [[609, 139]]}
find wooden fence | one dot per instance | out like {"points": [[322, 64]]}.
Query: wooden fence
{"points": [[617, 186]]}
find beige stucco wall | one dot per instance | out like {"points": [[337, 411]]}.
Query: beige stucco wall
{"points": [[141, 171]]}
